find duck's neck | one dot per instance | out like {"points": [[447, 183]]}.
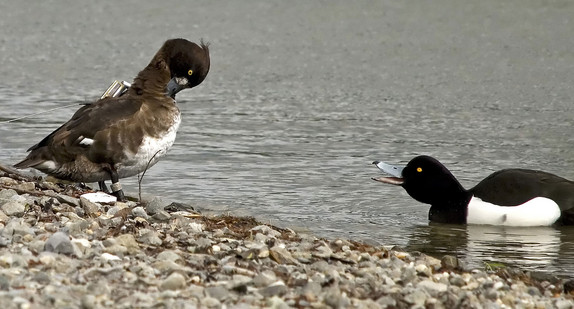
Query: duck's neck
{"points": [[152, 80], [452, 208]]}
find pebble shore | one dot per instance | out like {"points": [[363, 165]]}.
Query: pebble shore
{"points": [[60, 250]]}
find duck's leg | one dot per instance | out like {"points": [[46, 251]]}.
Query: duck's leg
{"points": [[103, 187], [116, 186]]}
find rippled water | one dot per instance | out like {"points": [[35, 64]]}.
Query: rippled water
{"points": [[302, 97]]}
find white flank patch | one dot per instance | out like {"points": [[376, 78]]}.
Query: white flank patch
{"points": [[86, 141], [539, 211], [150, 151], [47, 166]]}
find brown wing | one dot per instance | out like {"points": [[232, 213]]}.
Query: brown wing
{"points": [[65, 143]]}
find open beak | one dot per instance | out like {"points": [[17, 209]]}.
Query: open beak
{"points": [[176, 85], [394, 170]]}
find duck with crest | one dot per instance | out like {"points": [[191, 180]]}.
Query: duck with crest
{"points": [[118, 137]]}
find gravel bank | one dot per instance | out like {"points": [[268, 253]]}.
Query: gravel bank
{"points": [[59, 250]]}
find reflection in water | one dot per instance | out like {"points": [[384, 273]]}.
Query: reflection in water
{"points": [[531, 248]]}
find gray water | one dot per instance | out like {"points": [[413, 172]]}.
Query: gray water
{"points": [[303, 95]]}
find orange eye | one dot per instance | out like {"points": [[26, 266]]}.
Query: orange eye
{"points": [[419, 169], [190, 72]]}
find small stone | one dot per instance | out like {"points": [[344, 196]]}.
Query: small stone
{"points": [[68, 199], [155, 205], [110, 257], [451, 262], [195, 228], [218, 292], [433, 288], [17, 226], [533, 291], [42, 278], [281, 255], [129, 242], [161, 215], [91, 208], [77, 227], [46, 185], [275, 289], [88, 301], [210, 302], [266, 230], [37, 245], [323, 252], [116, 250], [457, 281], [20, 302], [564, 304], [175, 281], [82, 244], [169, 255], [150, 237], [59, 242], [276, 303], [25, 186], [3, 217], [491, 294], [80, 212], [117, 210], [7, 194], [408, 275], [417, 298], [423, 270], [166, 266], [7, 181], [99, 197], [139, 212], [203, 244], [335, 299], [47, 258], [387, 302], [264, 278], [311, 290], [261, 238], [4, 283], [263, 253], [13, 208]]}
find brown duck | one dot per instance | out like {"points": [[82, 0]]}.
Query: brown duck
{"points": [[119, 137]]}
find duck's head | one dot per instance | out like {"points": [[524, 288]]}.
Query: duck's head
{"points": [[424, 178], [187, 63]]}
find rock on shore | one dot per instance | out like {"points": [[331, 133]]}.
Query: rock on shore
{"points": [[59, 249]]}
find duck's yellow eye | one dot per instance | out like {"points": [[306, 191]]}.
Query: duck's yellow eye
{"points": [[190, 72], [419, 169]]}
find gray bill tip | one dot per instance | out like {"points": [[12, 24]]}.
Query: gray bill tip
{"points": [[393, 170]]}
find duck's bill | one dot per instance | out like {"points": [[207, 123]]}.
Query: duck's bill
{"points": [[390, 180], [394, 170], [176, 85]]}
